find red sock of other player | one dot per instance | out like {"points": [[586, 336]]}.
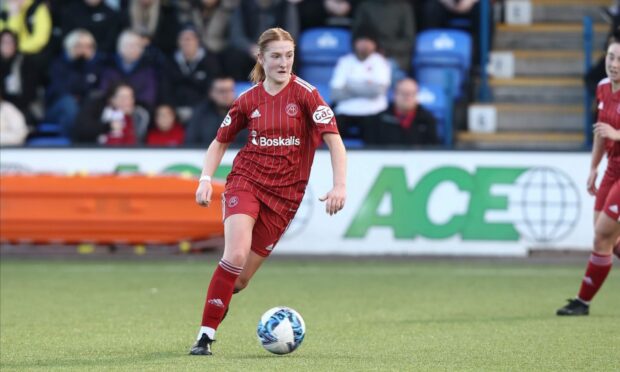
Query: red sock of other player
{"points": [[596, 272], [219, 295]]}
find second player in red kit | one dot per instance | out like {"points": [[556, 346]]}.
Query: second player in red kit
{"points": [[607, 202], [287, 120]]}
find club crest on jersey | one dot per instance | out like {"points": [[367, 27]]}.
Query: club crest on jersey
{"points": [[227, 121], [323, 115], [233, 201], [292, 109]]}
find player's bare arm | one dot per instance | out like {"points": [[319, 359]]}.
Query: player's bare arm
{"points": [[213, 158], [598, 150], [336, 197]]}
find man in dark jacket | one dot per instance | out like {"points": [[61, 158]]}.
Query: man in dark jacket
{"points": [[405, 122], [208, 115], [188, 74], [74, 76]]}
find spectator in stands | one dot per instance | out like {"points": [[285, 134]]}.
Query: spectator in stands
{"points": [[167, 130], [209, 114], [73, 76], [157, 20], [130, 66], [114, 120], [359, 87], [251, 18], [13, 129], [211, 19], [326, 13], [439, 14], [100, 20], [396, 36], [18, 75], [188, 74], [30, 20], [406, 122]]}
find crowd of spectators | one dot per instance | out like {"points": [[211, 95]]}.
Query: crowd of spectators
{"points": [[162, 72]]}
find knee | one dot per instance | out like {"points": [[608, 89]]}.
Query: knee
{"points": [[236, 258], [240, 284], [603, 242]]}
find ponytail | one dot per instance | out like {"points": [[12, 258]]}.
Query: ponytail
{"points": [[258, 73]]}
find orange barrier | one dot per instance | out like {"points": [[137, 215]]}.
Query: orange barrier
{"points": [[107, 209]]}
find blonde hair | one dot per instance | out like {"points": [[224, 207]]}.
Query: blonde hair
{"points": [[273, 34]]}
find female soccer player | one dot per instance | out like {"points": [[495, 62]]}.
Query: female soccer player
{"points": [[607, 204], [287, 119]]}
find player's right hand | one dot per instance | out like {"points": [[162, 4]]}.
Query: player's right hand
{"points": [[592, 182], [203, 193]]}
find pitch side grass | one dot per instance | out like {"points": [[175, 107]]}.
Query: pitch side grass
{"points": [[361, 315]]}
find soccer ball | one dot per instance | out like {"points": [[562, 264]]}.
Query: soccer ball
{"points": [[281, 330]]}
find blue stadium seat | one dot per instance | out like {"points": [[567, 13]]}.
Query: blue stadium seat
{"points": [[353, 143], [319, 50], [440, 53], [48, 128], [443, 47], [48, 142], [316, 75], [242, 86], [440, 76], [324, 91], [434, 99]]}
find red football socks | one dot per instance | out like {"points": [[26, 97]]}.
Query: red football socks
{"points": [[596, 272], [219, 293]]}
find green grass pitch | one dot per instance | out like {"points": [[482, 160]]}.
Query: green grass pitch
{"points": [[362, 315]]}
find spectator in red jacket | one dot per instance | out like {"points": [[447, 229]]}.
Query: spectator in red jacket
{"points": [[167, 130]]}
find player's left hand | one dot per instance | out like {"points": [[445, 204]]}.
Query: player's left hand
{"points": [[605, 130], [334, 200]]}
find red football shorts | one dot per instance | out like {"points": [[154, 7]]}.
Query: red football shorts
{"points": [[612, 203], [269, 225], [612, 175]]}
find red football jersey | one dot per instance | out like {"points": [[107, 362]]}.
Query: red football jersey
{"points": [[609, 112], [284, 132]]}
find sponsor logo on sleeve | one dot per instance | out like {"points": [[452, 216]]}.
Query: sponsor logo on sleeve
{"points": [[323, 115], [227, 121]]}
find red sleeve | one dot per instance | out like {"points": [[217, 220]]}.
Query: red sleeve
{"points": [[599, 99], [321, 115], [234, 121]]}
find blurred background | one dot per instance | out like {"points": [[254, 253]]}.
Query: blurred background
{"points": [[468, 122]]}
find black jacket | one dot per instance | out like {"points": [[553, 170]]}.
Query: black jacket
{"points": [[203, 125], [104, 23], [187, 84], [423, 129]]}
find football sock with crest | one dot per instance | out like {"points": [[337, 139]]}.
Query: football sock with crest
{"points": [[218, 296], [598, 267]]}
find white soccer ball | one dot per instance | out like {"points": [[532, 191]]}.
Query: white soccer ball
{"points": [[281, 330]]}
